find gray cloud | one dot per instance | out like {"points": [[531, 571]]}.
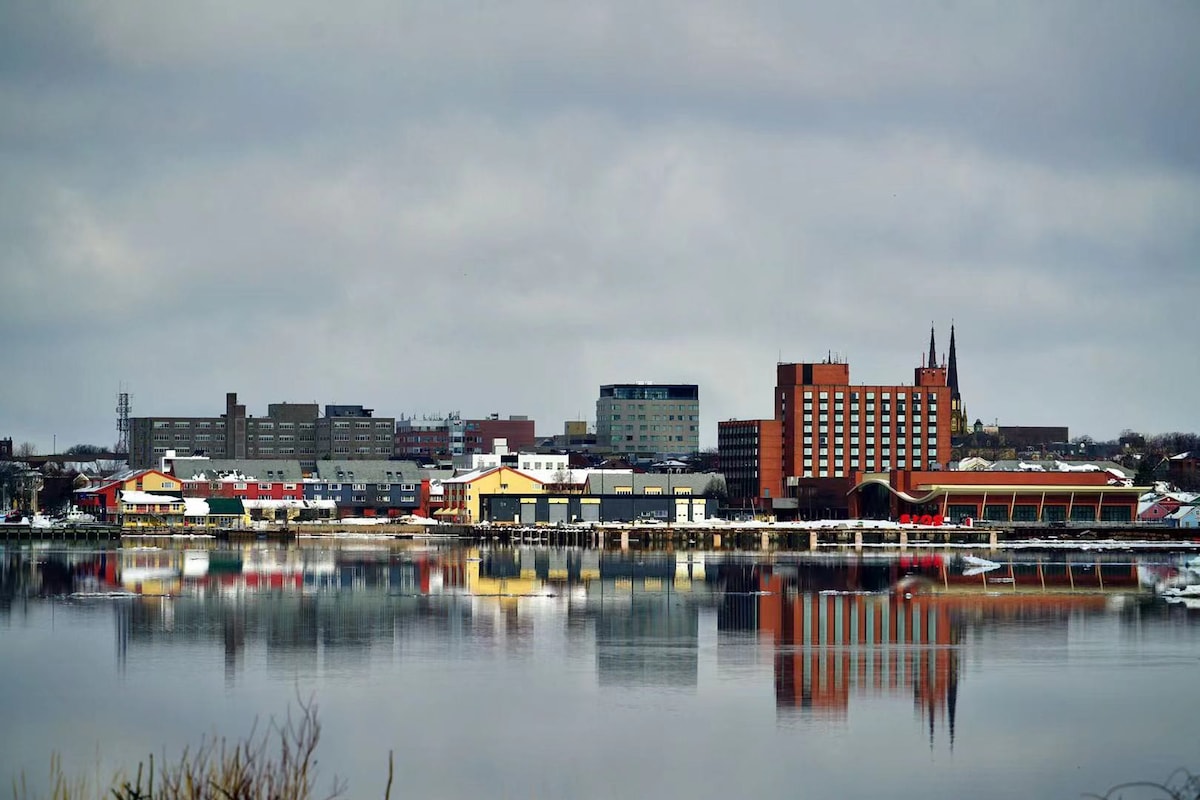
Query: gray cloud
{"points": [[417, 207]]}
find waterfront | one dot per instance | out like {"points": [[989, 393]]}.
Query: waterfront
{"points": [[569, 672]]}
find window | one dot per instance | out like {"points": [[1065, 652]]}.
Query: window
{"points": [[264, 487], [1024, 513]]}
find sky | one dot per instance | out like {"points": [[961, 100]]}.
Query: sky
{"points": [[490, 207]]}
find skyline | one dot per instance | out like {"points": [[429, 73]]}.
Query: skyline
{"points": [[499, 211]]}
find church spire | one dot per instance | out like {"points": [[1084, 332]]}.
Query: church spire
{"points": [[932, 348], [952, 367]]}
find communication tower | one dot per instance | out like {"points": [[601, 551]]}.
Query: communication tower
{"points": [[123, 422]]}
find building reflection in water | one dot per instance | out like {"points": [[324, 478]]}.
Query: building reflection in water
{"points": [[837, 628]]}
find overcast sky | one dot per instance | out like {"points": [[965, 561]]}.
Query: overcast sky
{"points": [[497, 207]]}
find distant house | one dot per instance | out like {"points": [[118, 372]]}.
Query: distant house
{"points": [[1183, 469], [1184, 517], [1158, 509]]}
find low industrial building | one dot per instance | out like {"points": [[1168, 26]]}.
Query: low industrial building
{"points": [[1091, 497]]}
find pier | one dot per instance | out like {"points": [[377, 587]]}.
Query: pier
{"points": [[851, 536]]}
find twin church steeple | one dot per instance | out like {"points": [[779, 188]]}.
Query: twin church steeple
{"points": [[958, 412]]}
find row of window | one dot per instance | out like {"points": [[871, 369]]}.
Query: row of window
{"points": [[856, 395], [1028, 512]]}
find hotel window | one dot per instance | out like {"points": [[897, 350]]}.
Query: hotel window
{"points": [[264, 487], [239, 486]]}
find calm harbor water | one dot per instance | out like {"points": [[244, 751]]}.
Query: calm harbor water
{"points": [[552, 672]]}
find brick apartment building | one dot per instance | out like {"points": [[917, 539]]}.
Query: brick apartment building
{"points": [[288, 431]]}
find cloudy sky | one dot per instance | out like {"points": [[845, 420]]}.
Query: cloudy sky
{"points": [[496, 207]]}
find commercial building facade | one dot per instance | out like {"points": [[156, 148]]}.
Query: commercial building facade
{"points": [[648, 419]]}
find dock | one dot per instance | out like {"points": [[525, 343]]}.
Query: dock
{"points": [[854, 535]]}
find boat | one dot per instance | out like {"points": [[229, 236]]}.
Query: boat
{"points": [[76, 516]]}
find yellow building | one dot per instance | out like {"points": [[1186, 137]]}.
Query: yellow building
{"points": [[148, 510], [463, 492], [150, 498]]}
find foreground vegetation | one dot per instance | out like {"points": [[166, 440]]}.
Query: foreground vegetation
{"points": [[1181, 785], [278, 763]]}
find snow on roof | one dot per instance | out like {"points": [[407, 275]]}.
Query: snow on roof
{"points": [[1063, 466], [195, 507], [273, 504], [146, 498]]}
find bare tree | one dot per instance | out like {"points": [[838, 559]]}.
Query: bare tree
{"points": [[25, 450]]}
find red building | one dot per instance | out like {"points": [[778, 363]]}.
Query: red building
{"points": [[829, 429], [481, 434], [995, 496], [443, 437], [244, 489]]}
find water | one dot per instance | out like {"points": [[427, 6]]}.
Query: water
{"points": [[538, 672]]}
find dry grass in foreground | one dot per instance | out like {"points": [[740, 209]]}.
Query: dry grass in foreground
{"points": [[277, 764]]}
